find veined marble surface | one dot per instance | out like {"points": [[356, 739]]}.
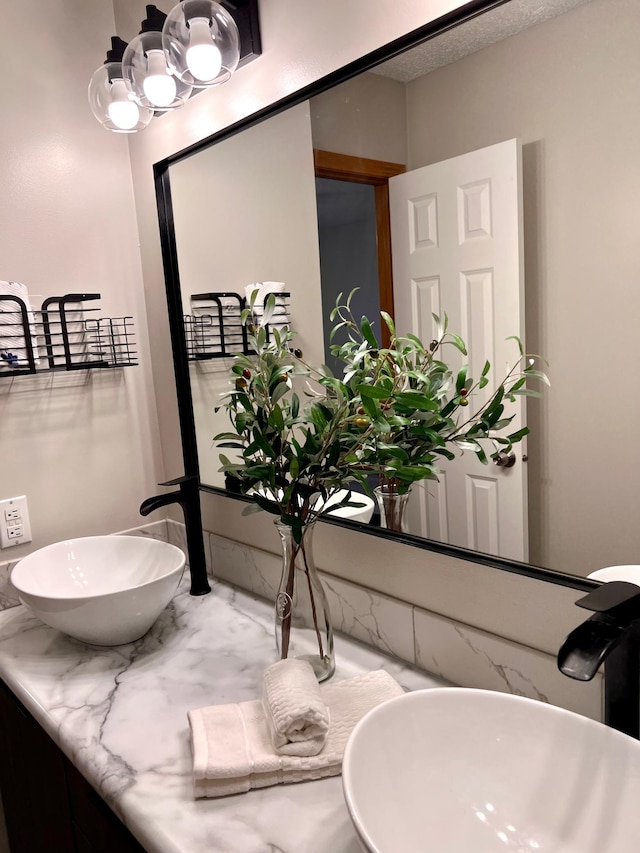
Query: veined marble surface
{"points": [[120, 714]]}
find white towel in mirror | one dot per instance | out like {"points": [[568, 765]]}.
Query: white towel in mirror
{"points": [[12, 338], [264, 288]]}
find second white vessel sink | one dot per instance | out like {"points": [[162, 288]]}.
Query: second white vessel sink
{"points": [[457, 770], [361, 513], [630, 574]]}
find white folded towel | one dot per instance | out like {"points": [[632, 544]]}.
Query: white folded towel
{"points": [[297, 716], [232, 749], [211, 307], [279, 310], [280, 315], [264, 288], [217, 339], [12, 338]]}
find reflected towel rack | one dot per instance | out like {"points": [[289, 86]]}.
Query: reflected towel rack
{"points": [[61, 337], [214, 328]]}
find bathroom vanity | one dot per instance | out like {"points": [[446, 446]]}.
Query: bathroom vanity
{"points": [[49, 804], [97, 740]]}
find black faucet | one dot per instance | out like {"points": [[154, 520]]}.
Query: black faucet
{"points": [[612, 633], [188, 496]]}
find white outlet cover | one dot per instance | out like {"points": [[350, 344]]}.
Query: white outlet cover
{"points": [[19, 503]]}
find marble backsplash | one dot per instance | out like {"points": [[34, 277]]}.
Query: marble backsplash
{"points": [[459, 653], [8, 595], [454, 651]]}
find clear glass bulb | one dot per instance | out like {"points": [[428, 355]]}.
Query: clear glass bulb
{"points": [[201, 42], [203, 57], [159, 86], [123, 112]]}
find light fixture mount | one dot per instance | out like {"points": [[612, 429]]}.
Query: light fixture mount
{"points": [[197, 9], [245, 14], [114, 55], [154, 21]]}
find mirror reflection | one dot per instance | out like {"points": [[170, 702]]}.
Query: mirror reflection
{"points": [[563, 94]]}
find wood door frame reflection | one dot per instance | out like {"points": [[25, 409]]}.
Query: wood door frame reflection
{"points": [[362, 170]]}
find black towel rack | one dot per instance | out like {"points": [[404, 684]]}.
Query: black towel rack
{"points": [[214, 329], [60, 336]]}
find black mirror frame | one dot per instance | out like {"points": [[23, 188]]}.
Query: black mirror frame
{"points": [[174, 297]]}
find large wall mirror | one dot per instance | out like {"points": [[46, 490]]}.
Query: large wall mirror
{"points": [[561, 85]]}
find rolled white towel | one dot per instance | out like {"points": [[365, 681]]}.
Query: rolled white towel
{"points": [[296, 714], [264, 288]]}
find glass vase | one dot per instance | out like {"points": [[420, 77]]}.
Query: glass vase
{"points": [[303, 621], [393, 507]]}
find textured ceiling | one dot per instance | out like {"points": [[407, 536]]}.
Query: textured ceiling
{"points": [[476, 34]]}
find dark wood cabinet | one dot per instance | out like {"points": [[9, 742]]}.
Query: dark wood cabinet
{"points": [[49, 806]]}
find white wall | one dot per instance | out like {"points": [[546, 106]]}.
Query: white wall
{"points": [[364, 117], [229, 247], [83, 448]]}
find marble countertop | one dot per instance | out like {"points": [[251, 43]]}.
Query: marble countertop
{"points": [[120, 715]]}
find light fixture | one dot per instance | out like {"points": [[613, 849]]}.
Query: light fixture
{"points": [[199, 44], [202, 43], [145, 69], [110, 98]]}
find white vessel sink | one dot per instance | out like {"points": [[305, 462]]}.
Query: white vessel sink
{"points": [[103, 590], [630, 574], [352, 513], [362, 513], [457, 770]]}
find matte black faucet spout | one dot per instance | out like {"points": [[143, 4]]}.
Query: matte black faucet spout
{"points": [[611, 634], [188, 496]]}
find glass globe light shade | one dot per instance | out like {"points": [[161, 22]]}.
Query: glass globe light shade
{"points": [[202, 43], [112, 102], [145, 70]]}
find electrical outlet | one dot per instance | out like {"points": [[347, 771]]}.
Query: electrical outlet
{"points": [[15, 528]]}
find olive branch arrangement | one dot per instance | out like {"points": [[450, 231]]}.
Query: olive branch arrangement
{"points": [[407, 407], [300, 433], [291, 451]]}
